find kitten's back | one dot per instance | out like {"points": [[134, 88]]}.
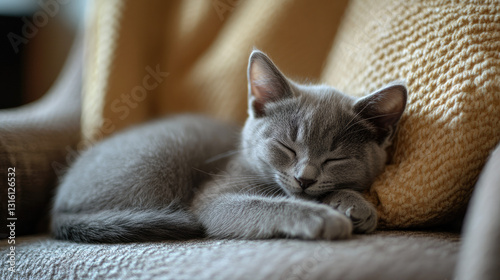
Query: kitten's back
{"points": [[135, 185]]}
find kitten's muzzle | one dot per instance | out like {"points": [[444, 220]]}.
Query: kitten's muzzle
{"points": [[305, 183]]}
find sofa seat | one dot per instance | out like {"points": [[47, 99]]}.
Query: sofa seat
{"points": [[382, 255]]}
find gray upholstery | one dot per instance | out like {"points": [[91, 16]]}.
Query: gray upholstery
{"points": [[34, 139], [480, 256], [384, 255]]}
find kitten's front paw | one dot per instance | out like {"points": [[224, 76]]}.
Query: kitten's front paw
{"points": [[317, 222], [362, 214]]}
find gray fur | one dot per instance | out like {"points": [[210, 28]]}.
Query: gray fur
{"points": [[305, 153], [131, 186]]}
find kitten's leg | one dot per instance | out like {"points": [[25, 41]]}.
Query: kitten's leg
{"points": [[353, 205], [246, 216]]}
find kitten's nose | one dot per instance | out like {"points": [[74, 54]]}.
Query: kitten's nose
{"points": [[305, 183]]}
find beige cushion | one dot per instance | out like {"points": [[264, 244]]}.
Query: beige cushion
{"points": [[449, 56]]}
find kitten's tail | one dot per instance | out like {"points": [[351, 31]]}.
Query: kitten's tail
{"points": [[113, 226]]}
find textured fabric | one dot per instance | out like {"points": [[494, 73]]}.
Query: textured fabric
{"points": [[37, 140], [480, 253], [102, 34], [385, 255], [448, 53]]}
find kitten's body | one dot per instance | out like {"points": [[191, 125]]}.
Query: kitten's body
{"points": [[138, 185], [304, 154]]}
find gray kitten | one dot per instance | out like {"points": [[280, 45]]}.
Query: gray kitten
{"points": [[305, 153]]}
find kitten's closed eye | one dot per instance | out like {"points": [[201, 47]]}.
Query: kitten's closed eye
{"points": [[290, 150], [332, 160]]}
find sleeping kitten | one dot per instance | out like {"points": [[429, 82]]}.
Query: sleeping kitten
{"points": [[304, 154]]}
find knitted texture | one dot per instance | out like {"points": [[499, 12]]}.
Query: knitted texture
{"points": [[449, 56], [101, 45]]}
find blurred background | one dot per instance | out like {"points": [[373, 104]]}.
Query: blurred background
{"points": [[36, 36]]}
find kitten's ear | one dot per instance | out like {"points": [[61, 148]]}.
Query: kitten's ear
{"points": [[265, 83], [384, 107]]}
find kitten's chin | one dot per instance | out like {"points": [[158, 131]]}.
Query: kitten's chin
{"points": [[298, 194], [303, 195]]}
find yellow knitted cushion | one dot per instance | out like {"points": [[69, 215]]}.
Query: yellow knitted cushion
{"points": [[449, 54]]}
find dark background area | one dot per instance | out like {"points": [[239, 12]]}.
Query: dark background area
{"points": [[35, 38]]}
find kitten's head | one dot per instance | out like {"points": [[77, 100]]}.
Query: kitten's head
{"points": [[312, 139]]}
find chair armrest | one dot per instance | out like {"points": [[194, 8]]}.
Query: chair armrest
{"points": [[480, 252], [34, 138]]}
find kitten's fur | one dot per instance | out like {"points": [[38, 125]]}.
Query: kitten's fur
{"points": [[305, 153]]}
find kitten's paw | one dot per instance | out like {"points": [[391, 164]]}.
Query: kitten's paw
{"points": [[362, 214], [317, 222]]}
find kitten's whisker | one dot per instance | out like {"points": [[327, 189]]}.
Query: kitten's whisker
{"points": [[243, 185], [276, 191], [227, 154], [365, 119], [203, 171], [251, 188], [353, 118], [241, 177], [248, 179], [366, 128], [260, 189], [351, 132], [222, 155], [246, 184], [266, 189], [258, 176]]}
